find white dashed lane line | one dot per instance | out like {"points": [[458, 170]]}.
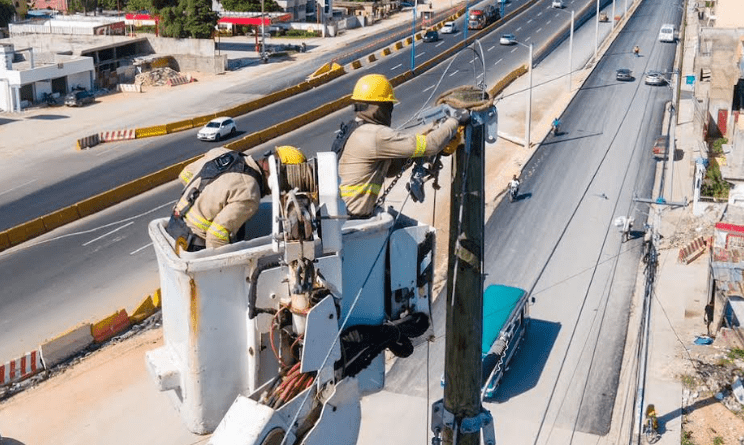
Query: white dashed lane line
{"points": [[109, 233], [141, 249], [497, 62], [396, 67]]}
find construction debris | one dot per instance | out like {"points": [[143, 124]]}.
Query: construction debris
{"points": [[157, 77]]}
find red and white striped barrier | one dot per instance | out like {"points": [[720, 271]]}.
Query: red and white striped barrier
{"points": [[20, 368], [179, 80], [116, 135]]}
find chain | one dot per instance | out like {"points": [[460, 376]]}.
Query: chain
{"points": [[384, 194]]}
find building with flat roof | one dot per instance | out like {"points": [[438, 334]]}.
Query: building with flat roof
{"points": [[28, 77]]}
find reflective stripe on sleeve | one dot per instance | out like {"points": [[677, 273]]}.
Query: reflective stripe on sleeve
{"points": [[365, 189], [420, 146], [186, 176], [219, 232]]}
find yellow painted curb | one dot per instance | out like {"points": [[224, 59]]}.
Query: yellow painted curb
{"points": [[144, 310], [157, 298], [110, 326]]}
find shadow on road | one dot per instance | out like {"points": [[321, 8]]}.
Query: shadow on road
{"points": [[525, 369], [49, 117]]}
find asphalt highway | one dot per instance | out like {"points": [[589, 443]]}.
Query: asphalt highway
{"points": [[96, 171], [558, 241]]}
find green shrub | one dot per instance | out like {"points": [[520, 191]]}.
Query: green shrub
{"points": [[713, 183], [300, 33], [716, 148]]}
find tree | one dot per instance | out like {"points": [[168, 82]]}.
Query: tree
{"points": [[7, 11], [250, 5], [186, 18], [138, 5]]}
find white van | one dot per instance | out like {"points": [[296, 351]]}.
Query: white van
{"points": [[666, 34]]}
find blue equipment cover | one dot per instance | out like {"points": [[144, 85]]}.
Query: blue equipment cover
{"points": [[499, 302]]}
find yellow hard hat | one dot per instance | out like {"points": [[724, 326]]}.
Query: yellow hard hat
{"points": [[288, 154], [373, 88]]}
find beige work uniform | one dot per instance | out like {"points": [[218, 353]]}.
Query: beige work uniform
{"points": [[369, 152], [224, 205]]}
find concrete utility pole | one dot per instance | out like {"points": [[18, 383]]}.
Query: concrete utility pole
{"points": [[464, 326]]}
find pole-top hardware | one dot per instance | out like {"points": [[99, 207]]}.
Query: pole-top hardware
{"points": [[441, 418]]}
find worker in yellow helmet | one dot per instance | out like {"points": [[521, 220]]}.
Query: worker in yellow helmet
{"points": [[369, 150], [222, 191]]}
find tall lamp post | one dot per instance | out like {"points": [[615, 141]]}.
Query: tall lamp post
{"points": [[596, 32], [528, 114], [413, 37], [263, 34]]}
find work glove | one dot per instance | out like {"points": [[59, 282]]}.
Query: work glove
{"points": [[457, 142], [462, 115]]}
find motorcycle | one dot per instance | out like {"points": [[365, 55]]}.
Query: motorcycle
{"points": [[554, 128], [513, 192]]}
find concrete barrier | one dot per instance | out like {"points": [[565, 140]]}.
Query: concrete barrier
{"points": [[20, 368], [356, 64], [110, 326], [157, 130], [144, 310], [66, 345], [116, 135], [398, 45], [88, 141], [174, 127], [59, 218], [178, 80], [386, 52], [25, 231], [4, 240], [693, 250], [129, 88]]}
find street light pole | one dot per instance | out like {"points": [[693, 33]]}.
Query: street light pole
{"points": [[413, 37], [570, 52], [613, 14], [528, 114], [263, 38], [596, 33]]}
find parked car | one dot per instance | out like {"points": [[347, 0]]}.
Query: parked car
{"points": [[624, 74], [449, 28], [557, 4], [431, 36], [508, 39], [655, 78], [79, 98], [216, 129], [660, 145]]}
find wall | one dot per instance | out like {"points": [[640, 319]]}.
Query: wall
{"points": [[195, 47], [720, 51], [42, 87], [82, 65], [211, 64], [81, 79], [68, 44]]}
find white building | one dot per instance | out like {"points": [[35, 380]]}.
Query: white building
{"points": [[26, 77]]}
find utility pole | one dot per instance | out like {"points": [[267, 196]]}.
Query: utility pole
{"points": [[464, 325]]}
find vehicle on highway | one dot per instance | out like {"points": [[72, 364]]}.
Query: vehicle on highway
{"points": [[603, 17], [431, 36], [79, 98], [624, 74], [654, 78], [661, 144], [477, 19], [216, 129], [492, 14], [557, 4], [666, 33], [508, 39], [449, 28], [505, 322]]}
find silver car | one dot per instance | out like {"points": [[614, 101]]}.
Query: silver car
{"points": [[508, 39], [654, 78], [216, 129]]}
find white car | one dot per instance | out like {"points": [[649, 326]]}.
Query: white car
{"points": [[557, 4], [216, 129], [508, 39], [449, 28]]}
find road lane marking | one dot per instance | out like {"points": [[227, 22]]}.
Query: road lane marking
{"points": [[428, 88], [489, 49], [548, 22], [19, 186], [518, 29], [141, 248], [539, 13], [538, 30], [514, 49], [479, 75], [455, 72], [527, 39], [439, 44], [529, 21], [34, 243], [109, 233], [497, 62], [396, 67], [419, 55]]}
